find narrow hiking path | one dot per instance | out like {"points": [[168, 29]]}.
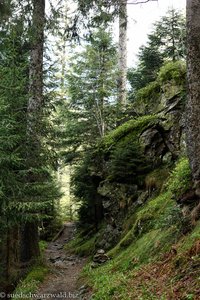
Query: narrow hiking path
{"points": [[65, 268]]}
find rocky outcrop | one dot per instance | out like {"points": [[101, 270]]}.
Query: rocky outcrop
{"points": [[117, 198], [159, 142], [99, 258], [132, 161], [163, 140], [153, 140]]}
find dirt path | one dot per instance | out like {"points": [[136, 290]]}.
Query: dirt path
{"points": [[61, 283]]}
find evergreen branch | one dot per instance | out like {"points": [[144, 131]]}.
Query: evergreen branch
{"points": [[140, 2], [8, 88]]}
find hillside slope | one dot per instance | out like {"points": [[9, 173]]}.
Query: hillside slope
{"points": [[158, 255], [138, 203]]}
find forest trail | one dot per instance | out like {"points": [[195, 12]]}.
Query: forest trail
{"points": [[65, 268]]}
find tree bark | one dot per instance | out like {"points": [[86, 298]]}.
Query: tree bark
{"points": [[193, 77], [29, 242], [122, 52], [35, 102], [29, 231]]}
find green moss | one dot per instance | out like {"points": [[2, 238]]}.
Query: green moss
{"points": [[31, 283], [180, 179], [126, 240], [37, 274], [155, 206], [175, 71], [149, 92], [43, 245], [81, 246], [86, 248], [134, 126], [169, 82], [159, 213]]}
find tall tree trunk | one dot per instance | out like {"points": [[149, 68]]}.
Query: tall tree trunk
{"points": [[35, 102], [193, 77], [29, 232], [29, 242], [5, 10], [63, 43], [122, 52]]}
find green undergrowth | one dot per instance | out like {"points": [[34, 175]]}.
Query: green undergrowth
{"points": [[180, 179], [35, 276], [81, 246], [31, 282], [160, 217], [189, 240], [43, 245], [114, 279], [156, 227]]}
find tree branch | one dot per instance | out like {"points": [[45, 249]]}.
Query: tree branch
{"points": [[8, 87], [140, 2]]}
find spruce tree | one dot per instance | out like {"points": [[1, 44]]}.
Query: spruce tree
{"points": [[91, 90], [28, 190], [165, 43]]}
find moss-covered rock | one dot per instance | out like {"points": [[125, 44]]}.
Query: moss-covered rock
{"points": [[135, 127], [152, 248], [170, 82], [131, 163]]}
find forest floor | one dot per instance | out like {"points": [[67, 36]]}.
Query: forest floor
{"points": [[65, 268]]}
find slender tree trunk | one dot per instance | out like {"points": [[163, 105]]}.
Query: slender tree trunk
{"points": [[173, 37], [102, 100], [63, 44], [122, 52], [29, 231], [193, 77]]}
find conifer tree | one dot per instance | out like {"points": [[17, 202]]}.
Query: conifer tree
{"points": [[165, 43], [91, 82], [28, 188], [30, 246], [105, 12]]}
